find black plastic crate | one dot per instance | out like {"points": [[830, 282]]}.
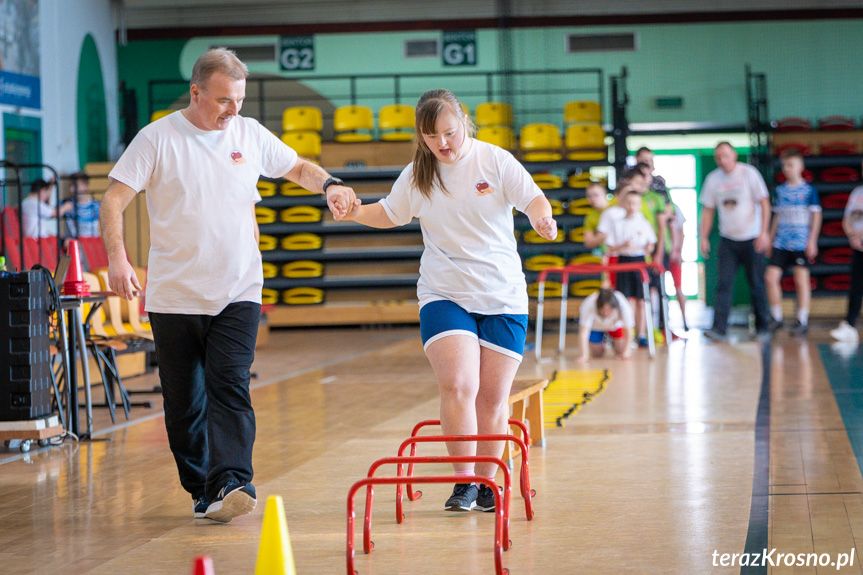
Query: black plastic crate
{"points": [[25, 368]]}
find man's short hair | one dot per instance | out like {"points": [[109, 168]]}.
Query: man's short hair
{"points": [[643, 150], [724, 143], [218, 60], [79, 177]]}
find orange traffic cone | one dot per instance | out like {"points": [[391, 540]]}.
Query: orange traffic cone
{"points": [[75, 284], [203, 566]]}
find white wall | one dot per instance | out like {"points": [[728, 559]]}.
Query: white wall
{"points": [[63, 26]]}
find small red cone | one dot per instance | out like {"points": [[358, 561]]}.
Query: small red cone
{"points": [[203, 566], [75, 284]]}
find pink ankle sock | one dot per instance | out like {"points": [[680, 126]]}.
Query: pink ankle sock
{"points": [[464, 473]]}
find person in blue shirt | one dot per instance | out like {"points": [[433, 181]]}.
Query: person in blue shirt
{"points": [[794, 240], [82, 211]]}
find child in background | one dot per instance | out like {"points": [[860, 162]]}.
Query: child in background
{"points": [[82, 211], [675, 259], [794, 240], [597, 196], [631, 237], [604, 313], [852, 223], [38, 216]]}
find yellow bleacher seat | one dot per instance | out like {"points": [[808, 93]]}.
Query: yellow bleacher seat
{"points": [[266, 189], [301, 214], [580, 207], [547, 181], [581, 180], [292, 189], [303, 269], [585, 259], [303, 296], [265, 215], [270, 270], [556, 207], [353, 124], [501, 136], [582, 113], [302, 241], [160, 114], [542, 261], [493, 114], [531, 237], [576, 235], [586, 142], [540, 143], [584, 288], [396, 123], [267, 243], [306, 144], [269, 296], [302, 119], [552, 289]]}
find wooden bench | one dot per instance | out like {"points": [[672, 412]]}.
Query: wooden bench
{"points": [[525, 399]]}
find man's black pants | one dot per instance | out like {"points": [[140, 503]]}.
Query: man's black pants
{"points": [[732, 255], [204, 367]]}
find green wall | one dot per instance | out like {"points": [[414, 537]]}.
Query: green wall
{"points": [[146, 60], [810, 66], [92, 113]]}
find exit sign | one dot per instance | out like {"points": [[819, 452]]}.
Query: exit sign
{"points": [[668, 102]]}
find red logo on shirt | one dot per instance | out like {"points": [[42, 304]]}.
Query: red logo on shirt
{"points": [[483, 188], [237, 157]]}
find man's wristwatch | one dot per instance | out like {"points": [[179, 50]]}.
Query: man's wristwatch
{"points": [[331, 182]]}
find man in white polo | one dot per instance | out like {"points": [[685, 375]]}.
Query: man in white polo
{"points": [[200, 167]]}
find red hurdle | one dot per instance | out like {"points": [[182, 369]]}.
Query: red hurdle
{"points": [[399, 481], [368, 545]]}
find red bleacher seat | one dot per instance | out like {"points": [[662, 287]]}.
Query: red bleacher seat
{"points": [[838, 148], [834, 201], [42, 251], [94, 251], [836, 123], [793, 124], [839, 174]]}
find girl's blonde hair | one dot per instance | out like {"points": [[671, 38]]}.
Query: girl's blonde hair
{"points": [[431, 105]]}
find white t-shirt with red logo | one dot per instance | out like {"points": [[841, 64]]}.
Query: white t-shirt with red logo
{"points": [[470, 255], [589, 318], [737, 197], [201, 186]]}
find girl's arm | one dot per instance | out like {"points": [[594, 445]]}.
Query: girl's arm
{"points": [[539, 214], [372, 215]]}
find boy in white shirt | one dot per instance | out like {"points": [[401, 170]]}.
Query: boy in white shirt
{"points": [[631, 237], [604, 313]]}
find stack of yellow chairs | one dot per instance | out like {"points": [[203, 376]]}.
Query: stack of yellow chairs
{"points": [[494, 123], [585, 138], [302, 127]]}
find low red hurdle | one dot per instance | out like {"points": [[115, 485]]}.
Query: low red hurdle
{"points": [[399, 481], [413, 496], [598, 269], [368, 545], [525, 473]]}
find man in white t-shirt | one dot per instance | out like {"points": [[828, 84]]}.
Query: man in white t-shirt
{"points": [[738, 192], [852, 224], [200, 167], [38, 217]]}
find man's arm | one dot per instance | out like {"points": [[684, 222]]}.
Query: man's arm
{"points": [[707, 215], [762, 242], [121, 276], [340, 199]]}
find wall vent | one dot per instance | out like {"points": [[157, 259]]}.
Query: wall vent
{"points": [[579, 43], [426, 48]]}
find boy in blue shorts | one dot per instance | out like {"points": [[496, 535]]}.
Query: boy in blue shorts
{"points": [[604, 313], [794, 240]]}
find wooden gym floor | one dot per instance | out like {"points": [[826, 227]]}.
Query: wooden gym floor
{"points": [[672, 462]]}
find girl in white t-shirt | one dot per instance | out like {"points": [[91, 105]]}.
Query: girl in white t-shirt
{"points": [[604, 313], [472, 292]]}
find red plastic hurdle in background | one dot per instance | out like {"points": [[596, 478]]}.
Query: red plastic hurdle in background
{"points": [[597, 269], [413, 496], [525, 474], [399, 481], [368, 545]]}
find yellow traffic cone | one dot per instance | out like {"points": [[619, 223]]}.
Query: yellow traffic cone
{"points": [[274, 555]]}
